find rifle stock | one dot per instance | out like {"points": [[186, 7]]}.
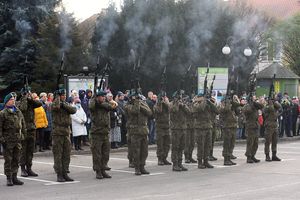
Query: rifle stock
{"points": [[60, 71]]}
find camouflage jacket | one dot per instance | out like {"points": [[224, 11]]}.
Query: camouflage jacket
{"points": [[61, 117], [251, 114], [190, 120], [179, 111], [228, 117], [270, 114], [12, 125], [161, 112], [137, 113], [203, 111], [100, 117], [27, 106]]}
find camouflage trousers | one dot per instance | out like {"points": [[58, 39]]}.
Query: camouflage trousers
{"points": [[163, 140], [178, 140], [252, 141], [28, 145], [229, 141], [139, 145], [203, 138], [61, 148], [100, 147], [213, 139], [271, 135], [189, 143], [129, 145], [11, 154]]}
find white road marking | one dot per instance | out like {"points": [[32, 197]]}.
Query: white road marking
{"points": [[45, 181], [87, 167]]}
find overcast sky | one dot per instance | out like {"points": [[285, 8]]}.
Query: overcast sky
{"points": [[83, 9]]}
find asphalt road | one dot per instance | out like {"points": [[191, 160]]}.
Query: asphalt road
{"points": [[265, 180]]}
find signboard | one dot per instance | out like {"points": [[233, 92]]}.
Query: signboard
{"points": [[82, 83], [220, 84]]}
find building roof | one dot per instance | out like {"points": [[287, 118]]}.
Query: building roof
{"points": [[280, 71]]}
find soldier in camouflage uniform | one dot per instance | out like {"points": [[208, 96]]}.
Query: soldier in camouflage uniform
{"points": [[271, 113], [252, 126], [189, 137], [137, 112], [12, 131], [163, 138], [100, 145], [179, 111], [27, 106], [203, 126], [228, 120], [61, 120]]}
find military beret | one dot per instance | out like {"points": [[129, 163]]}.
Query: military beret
{"points": [[101, 93], [8, 97], [61, 91]]}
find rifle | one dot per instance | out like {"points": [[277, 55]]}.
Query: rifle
{"points": [[230, 78], [26, 85], [105, 70], [163, 84], [211, 86], [60, 71], [252, 87], [205, 82], [272, 89], [96, 76], [181, 88]]}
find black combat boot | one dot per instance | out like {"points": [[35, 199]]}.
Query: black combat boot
{"points": [[104, 174], [207, 165], [268, 159], [16, 181], [274, 157], [160, 162], [232, 163], [249, 159], [193, 161], [176, 168], [67, 178], [232, 157], [227, 161], [212, 158], [107, 168], [143, 170], [60, 178], [166, 162], [182, 167], [9, 181], [137, 171], [255, 160], [99, 175], [30, 172], [23, 171], [201, 165]]}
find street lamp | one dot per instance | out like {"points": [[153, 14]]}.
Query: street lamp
{"points": [[226, 50]]}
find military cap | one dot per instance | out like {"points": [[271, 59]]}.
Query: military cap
{"points": [[8, 97], [101, 93]]}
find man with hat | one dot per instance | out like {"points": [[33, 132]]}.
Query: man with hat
{"points": [[100, 145], [178, 112], [162, 119], [271, 112], [12, 131], [203, 128], [137, 112], [27, 105], [61, 120]]}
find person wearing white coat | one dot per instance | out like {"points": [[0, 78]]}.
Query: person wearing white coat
{"points": [[78, 124]]}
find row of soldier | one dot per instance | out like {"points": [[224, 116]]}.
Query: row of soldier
{"points": [[182, 119]]}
